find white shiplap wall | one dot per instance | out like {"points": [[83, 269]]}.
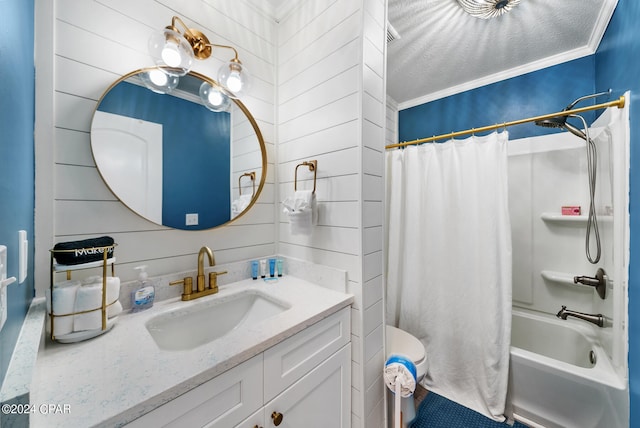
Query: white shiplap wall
{"points": [[320, 71], [95, 42], [331, 107]]}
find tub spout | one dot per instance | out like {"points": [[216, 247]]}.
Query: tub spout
{"points": [[597, 319]]}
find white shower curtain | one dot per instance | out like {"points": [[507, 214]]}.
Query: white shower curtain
{"points": [[449, 264]]}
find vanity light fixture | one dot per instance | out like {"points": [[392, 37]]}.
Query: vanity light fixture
{"points": [[213, 98], [174, 50], [486, 9], [159, 81]]}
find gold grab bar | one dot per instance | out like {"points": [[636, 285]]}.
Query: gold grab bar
{"points": [[313, 166]]}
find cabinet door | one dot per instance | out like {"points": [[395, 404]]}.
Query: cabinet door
{"points": [[292, 358], [321, 399], [222, 402]]}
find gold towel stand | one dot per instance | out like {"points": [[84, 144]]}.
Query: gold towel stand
{"points": [[313, 166], [252, 177]]}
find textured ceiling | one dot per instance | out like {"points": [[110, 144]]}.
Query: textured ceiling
{"points": [[442, 50]]}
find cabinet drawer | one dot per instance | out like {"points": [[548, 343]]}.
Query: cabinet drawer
{"points": [[222, 402], [291, 359]]}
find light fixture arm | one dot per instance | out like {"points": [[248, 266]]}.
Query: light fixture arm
{"points": [[198, 41], [235, 52], [200, 44], [173, 26]]}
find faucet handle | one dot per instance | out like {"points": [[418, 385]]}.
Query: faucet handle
{"points": [[213, 280], [188, 286]]}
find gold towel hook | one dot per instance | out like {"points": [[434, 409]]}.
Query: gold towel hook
{"points": [[313, 167], [252, 177]]}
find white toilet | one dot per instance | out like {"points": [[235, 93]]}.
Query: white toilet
{"points": [[400, 342]]}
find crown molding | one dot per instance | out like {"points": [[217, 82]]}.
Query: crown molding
{"points": [[600, 27], [498, 77]]}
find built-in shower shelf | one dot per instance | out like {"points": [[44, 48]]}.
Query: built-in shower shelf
{"points": [[562, 278], [571, 219]]}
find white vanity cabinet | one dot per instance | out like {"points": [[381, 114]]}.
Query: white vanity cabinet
{"points": [[221, 402], [303, 381]]}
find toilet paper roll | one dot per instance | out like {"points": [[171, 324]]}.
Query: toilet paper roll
{"points": [[64, 298]]}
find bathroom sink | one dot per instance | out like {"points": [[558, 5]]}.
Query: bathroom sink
{"points": [[195, 324]]}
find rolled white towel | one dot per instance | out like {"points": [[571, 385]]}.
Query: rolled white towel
{"points": [[64, 298], [89, 298], [400, 370]]}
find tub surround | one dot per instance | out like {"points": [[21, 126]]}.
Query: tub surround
{"points": [[116, 377]]}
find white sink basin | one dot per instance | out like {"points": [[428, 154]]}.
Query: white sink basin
{"points": [[197, 323]]}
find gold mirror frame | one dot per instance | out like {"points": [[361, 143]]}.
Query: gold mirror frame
{"points": [[242, 108]]}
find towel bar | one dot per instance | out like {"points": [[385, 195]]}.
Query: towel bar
{"points": [[313, 166]]}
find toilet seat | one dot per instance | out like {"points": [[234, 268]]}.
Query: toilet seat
{"points": [[403, 343]]}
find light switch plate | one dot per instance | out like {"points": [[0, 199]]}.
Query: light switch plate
{"points": [[3, 306], [23, 261], [191, 219], [4, 282]]}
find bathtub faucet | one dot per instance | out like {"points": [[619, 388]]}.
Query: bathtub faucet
{"points": [[597, 319]]}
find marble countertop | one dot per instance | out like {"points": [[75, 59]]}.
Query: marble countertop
{"points": [[122, 374]]}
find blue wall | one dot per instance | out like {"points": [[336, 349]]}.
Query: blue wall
{"points": [[533, 94], [194, 156], [17, 159], [618, 67]]}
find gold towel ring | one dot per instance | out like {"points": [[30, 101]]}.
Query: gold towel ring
{"points": [[313, 167], [252, 177]]}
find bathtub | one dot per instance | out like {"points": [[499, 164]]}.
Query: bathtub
{"points": [[560, 377]]}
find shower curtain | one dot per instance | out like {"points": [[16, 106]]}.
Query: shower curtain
{"points": [[449, 264]]}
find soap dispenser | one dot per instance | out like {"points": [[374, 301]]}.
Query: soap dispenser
{"points": [[143, 292]]}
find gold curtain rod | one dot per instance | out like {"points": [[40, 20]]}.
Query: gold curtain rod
{"points": [[620, 102]]}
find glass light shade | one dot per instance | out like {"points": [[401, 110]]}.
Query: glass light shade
{"points": [[158, 81], [213, 98], [235, 78], [170, 49], [486, 9]]}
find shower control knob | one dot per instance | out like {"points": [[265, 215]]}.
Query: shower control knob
{"points": [[599, 282]]}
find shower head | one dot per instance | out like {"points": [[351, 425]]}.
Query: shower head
{"points": [[552, 122], [561, 121]]}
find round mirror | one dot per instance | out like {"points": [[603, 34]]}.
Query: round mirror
{"points": [[174, 160]]}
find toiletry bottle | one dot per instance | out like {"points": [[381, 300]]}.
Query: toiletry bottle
{"points": [[143, 292], [263, 268], [279, 266], [272, 267], [254, 269]]}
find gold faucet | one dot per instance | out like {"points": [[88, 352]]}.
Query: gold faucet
{"points": [[212, 262], [201, 289]]}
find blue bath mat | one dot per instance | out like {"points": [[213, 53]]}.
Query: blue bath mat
{"points": [[435, 411]]}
